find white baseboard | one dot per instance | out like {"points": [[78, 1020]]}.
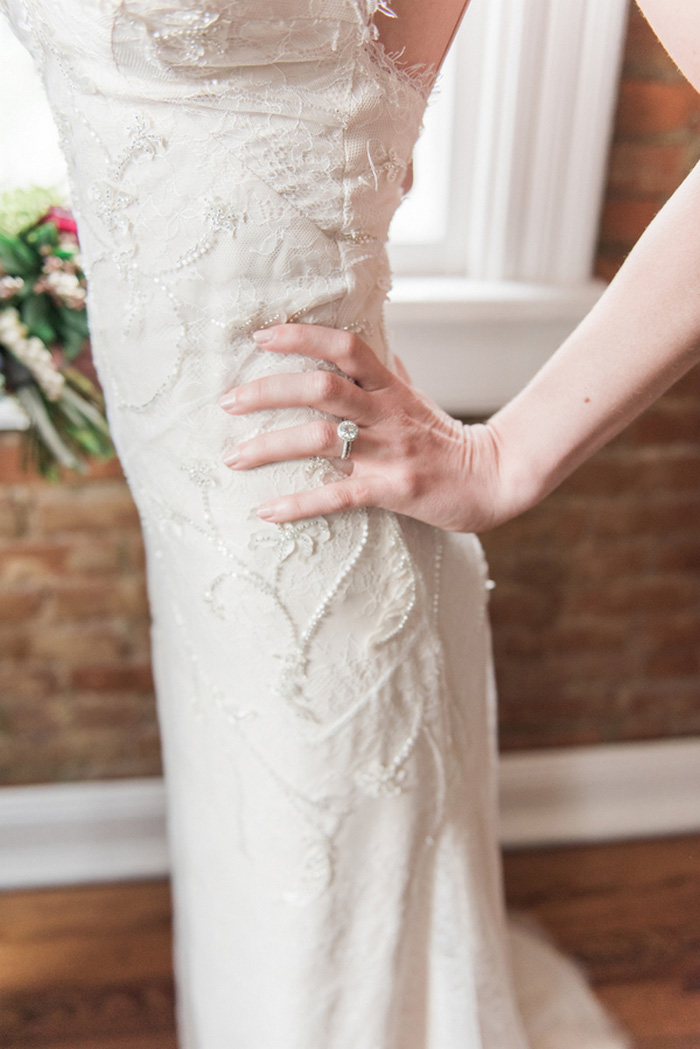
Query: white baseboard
{"points": [[73, 833], [600, 793]]}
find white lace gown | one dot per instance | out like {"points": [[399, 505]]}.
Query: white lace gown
{"points": [[325, 690]]}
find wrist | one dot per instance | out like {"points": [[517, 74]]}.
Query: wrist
{"points": [[524, 481]]}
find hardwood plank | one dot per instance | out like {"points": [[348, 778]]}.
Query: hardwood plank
{"points": [[684, 1042], [90, 967], [630, 913], [140, 1041], [91, 935], [122, 956], [37, 913], [75, 1013]]}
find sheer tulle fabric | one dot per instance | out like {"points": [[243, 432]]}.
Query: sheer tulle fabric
{"points": [[325, 689]]}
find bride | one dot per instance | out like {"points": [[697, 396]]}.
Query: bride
{"points": [[318, 594]]}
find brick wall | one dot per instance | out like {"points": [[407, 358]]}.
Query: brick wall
{"points": [[76, 695], [596, 612]]}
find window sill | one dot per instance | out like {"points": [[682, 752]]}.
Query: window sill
{"points": [[471, 345]]}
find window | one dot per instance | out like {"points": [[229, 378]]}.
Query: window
{"points": [[514, 152]]}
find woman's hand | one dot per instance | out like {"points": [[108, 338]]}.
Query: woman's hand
{"points": [[409, 456]]}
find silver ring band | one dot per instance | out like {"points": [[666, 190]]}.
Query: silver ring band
{"points": [[347, 431]]}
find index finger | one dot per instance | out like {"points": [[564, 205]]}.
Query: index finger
{"points": [[347, 351]]}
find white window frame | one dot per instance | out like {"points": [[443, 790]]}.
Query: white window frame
{"points": [[535, 90]]}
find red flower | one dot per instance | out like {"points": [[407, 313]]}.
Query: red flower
{"points": [[62, 219]]}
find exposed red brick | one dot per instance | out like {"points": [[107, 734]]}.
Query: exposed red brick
{"points": [[644, 55], [648, 107], [512, 604], [97, 507], [76, 644], [599, 562], [541, 526], [128, 710], [105, 677], [608, 262], [625, 219], [11, 470], [662, 702], [12, 515], [634, 595], [687, 387], [641, 169], [564, 636], [32, 559], [674, 628], [133, 552], [14, 471], [14, 643], [669, 421], [97, 555], [661, 517], [675, 661], [19, 604], [609, 476], [25, 683], [679, 472], [679, 555], [82, 754], [99, 598]]}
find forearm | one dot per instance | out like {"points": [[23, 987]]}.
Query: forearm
{"points": [[640, 337]]}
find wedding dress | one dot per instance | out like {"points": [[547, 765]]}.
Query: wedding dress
{"points": [[325, 689]]}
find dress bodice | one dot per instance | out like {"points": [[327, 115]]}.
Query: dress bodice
{"points": [[260, 145], [309, 100]]}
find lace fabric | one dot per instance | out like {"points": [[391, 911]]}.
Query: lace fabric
{"points": [[325, 689]]}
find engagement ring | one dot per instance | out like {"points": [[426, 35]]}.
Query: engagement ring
{"points": [[347, 431]]}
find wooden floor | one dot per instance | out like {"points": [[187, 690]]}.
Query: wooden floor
{"points": [[90, 967]]}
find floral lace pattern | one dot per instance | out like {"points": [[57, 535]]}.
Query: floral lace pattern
{"points": [[324, 689]]}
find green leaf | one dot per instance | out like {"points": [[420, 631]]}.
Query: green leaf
{"points": [[35, 311], [42, 236], [16, 258], [73, 320], [84, 386], [89, 441], [73, 330], [72, 343]]}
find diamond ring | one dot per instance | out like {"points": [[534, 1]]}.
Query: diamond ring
{"points": [[347, 431]]}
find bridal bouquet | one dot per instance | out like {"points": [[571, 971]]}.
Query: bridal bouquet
{"points": [[45, 360]]}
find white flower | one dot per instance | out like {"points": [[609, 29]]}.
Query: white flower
{"points": [[66, 286], [12, 331], [9, 286], [31, 352]]}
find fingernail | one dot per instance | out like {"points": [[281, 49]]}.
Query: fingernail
{"points": [[233, 458], [264, 335], [228, 400], [266, 512]]}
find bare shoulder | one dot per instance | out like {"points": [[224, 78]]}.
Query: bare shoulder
{"points": [[677, 25], [421, 31]]}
